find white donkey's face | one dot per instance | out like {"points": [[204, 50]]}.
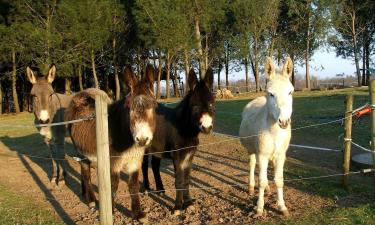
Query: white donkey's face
{"points": [[279, 93]]}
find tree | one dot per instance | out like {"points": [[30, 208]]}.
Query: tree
{"points": [[313, 20], [15, 41], [157, 22], [254, 19]]}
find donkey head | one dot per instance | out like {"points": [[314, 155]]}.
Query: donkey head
{"points": [[141, 104], [202, 101], [279, 92], [41, 93]]}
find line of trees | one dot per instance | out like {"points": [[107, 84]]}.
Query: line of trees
{"points": [[91, 40]]}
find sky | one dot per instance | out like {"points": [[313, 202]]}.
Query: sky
{"points": [[323, 64]]}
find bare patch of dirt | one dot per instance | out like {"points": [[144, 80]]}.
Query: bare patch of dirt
{"points": [[219, 169]]}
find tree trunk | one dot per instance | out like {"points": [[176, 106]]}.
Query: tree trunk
{"points": [[226, 69], [307, 54], [114, 62], [247, 74], [168, 62], [68, 89], [364, 61], [367, 49], [160, 67], [94, 69], [198, 42], [80, 78], [206, 54], [1, 98], [14, 82], [256, 65], [293, 71], [174, 80], [187, 68], [218, 75], [355, 46]]}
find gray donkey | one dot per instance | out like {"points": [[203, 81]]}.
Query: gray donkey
{"points": [[49, 107]]}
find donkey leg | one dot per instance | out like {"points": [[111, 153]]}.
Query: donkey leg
{"points": [[115, 179], [155, 162], [86, 180], [279, 181], [55, 168], [252, 164], [61, 162], [179, 184], [187, 163], [133, 184], [146, 183], [263, 182]]}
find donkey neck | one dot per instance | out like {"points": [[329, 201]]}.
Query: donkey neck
{"points": [[183, 120], [119, 126]]}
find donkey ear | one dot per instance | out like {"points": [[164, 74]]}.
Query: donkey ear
{"points": [[209, 78], [192, 79], [128, 78], [150, 76], [288, 67], [51, 73], [269, 68], [30, 75]]}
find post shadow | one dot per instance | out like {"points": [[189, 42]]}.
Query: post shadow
{"points": [[48, 195]]}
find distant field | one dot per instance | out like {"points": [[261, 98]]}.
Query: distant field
{"points": [[356, 206]]}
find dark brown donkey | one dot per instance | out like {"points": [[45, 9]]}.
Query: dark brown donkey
{"points": [[49, 107], [131, 124], [178, 128]]}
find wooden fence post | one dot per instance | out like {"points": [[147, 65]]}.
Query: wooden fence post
{"points": [[372, 102], [347, 140], [102, 145]]}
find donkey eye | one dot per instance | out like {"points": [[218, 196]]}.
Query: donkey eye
{"points": [[290, 93], [272, 95]]}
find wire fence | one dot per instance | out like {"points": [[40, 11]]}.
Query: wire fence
{"points": [[229, 138]]}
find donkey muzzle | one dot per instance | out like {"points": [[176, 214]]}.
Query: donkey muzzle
{"points": [[142, 141], [284, 123]]}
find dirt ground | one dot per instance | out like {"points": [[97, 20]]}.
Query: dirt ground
{"points": [[217, 168]]}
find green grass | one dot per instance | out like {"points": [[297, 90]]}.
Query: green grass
{"points": [[15, 209]]}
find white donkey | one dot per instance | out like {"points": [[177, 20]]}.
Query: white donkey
{"points": [[267, 120]]}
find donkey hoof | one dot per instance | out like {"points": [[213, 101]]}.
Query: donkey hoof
{"points": [[61, 182], [251, 190], [160, 191], [141, 217], [92, 205], [285, 213], [267, 190], [177, 212], [258, 215], [53, 181], [188, 203]]}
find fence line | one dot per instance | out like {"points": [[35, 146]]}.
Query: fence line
{"points": [[361, 147], [363, 171], [231, 137]]}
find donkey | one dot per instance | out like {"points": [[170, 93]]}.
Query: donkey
{"points": [[179, 128], [131, 124], [268, 120], [49, 107]]}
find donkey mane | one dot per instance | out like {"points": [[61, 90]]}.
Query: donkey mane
{"points": [[118, 124]]}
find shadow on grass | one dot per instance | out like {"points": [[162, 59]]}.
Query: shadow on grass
{"points": [[33, 145]]}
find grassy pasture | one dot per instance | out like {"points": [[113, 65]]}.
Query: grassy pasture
{"points": [[356, 206]]}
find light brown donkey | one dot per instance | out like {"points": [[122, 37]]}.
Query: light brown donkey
{"points": [[49, 107]]}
